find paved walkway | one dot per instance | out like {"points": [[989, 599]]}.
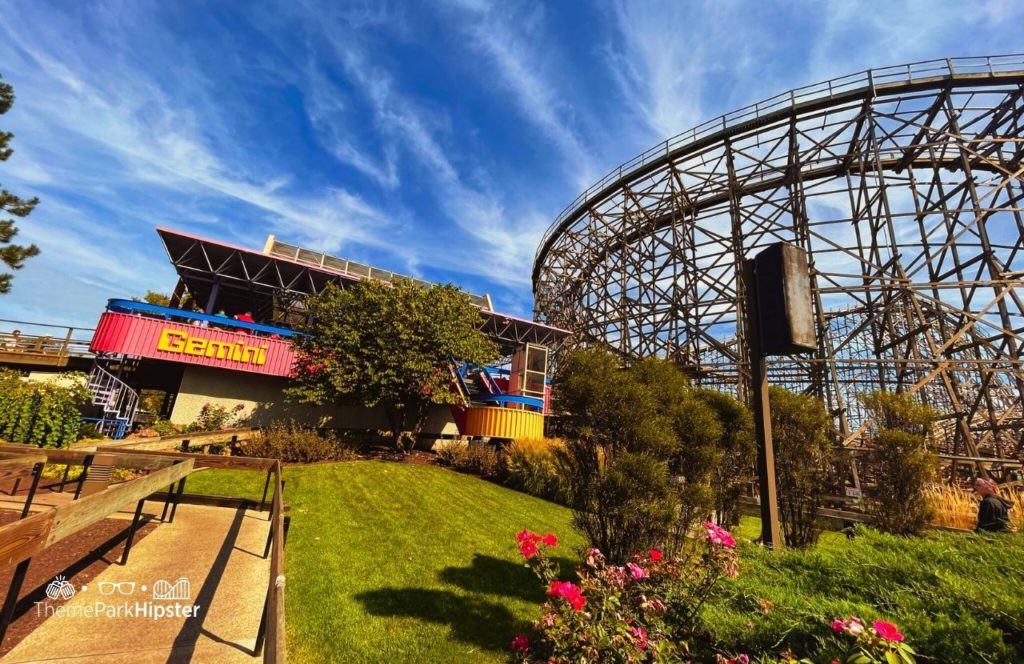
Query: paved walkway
{"points": [[218, 552]]}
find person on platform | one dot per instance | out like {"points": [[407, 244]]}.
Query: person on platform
{"points": [[11, 343], [994, 510], [245, 318]]}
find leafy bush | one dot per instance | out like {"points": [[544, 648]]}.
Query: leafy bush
{"points": [[642, 452], [293, 443], [644, 610], [899, 462], [43, 414], [470, 458], [215, 418], [733, 473], [804, 450], [165, 428], [531, 466], [88, 431], [959, 595]]}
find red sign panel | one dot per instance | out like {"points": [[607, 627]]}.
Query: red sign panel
{"points": [[191, 344]]}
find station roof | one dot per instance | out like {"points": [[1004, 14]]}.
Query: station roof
{"points": [[270, 283]]}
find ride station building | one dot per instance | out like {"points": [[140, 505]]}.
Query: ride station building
{"points": [[225, 340]]}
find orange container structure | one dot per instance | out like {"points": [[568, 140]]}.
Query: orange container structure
{"points": [[494, 422]]}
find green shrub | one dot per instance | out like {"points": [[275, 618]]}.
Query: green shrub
{"points": [[165, 428], [88, 431], [804, 451], [642, 441], [474, 458], [43, 414], [899, 463], [215, 418], [732, 474], [531, 466], [293, 443]]}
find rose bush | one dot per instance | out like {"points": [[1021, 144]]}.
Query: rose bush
{"points": [[649, 609], [643, 611]]}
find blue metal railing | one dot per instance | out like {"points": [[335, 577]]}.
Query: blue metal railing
{"points": [[170, 313]]}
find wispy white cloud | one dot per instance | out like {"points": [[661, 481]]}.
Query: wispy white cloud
{"points": [[511, 41]]}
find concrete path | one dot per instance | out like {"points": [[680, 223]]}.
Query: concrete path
{"points": [[218, 552]]}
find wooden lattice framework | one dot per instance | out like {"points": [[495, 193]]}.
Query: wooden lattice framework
{"points": [[904, 185]]}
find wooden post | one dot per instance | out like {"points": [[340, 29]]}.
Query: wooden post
{"points": [[771, 535]]}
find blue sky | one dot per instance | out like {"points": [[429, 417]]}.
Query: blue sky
{"points": [[435, 139]]}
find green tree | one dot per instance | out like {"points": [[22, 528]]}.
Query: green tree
{"points": [[159, 299], [899, 462], [388, 344], [12, 255], [804, 452]]}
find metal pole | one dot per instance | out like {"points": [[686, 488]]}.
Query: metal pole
{"points": [[177, 498], [261, 632], [37, 472], [11, 600], [266, 487], [81, 478], [167, 502], [131, 531], [63, 480], [771, 535]]}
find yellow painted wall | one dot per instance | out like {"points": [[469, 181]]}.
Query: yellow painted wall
{"points": [[494, 422], [263, 402]]}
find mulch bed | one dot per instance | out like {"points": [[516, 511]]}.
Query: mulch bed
{"points": [[80, 558]]}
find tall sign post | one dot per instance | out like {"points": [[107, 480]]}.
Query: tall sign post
{"points": [[780, 321]]}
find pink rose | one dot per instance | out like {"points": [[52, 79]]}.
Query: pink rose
{"points": [[887, 630], [636, 571], [718, 536], [640, 637]]}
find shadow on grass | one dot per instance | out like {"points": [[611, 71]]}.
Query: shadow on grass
{"points": [[483, 622], [495, 576], [479, 622]]}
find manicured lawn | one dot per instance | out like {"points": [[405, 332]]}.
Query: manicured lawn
{"points": [[402, 562]]}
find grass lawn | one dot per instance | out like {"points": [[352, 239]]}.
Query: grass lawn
{"points": [[402, 562]]}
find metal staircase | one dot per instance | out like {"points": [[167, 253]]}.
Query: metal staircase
{"points": [[118, 401]]}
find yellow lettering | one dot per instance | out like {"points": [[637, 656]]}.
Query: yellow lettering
{"points": [[172, 341], [222, 349]]}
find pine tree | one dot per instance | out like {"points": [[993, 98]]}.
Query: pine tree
{"points": [[12, 255]]}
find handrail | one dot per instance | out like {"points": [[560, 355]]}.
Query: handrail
{"points": [[867, 80], [275, 650], [170, 313]]}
